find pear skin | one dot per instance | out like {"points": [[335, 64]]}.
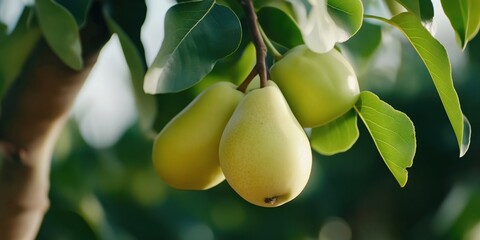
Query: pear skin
{"points": [[318, 87], [185, 152], [264, 152]]}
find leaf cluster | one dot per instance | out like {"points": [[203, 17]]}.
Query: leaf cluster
{"points": [[208, 41], [321, 25]]}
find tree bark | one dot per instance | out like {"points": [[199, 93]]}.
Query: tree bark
{"points": [[33, 113]]}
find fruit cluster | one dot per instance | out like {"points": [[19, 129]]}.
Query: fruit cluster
{"points": [[253, 139]]}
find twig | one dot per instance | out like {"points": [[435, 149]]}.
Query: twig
{"points": [[261, 49]]}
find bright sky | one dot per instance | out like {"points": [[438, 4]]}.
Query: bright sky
{"points": [[105, 107]]}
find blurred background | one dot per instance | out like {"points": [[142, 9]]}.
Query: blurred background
{"points": [[103, 185]]}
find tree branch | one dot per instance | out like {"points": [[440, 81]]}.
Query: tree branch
{"points": [[34, 111]]}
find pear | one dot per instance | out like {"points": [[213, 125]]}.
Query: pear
{"points": [[318, 87], [264, 152], [185, 152]]}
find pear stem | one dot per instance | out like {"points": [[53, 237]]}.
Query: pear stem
{"points": [[261, 49], [243, 86]]}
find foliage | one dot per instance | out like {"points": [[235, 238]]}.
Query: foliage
{"points": [[121, 189], [61, 32], [200, 38], [386, 126], [319, 26]]}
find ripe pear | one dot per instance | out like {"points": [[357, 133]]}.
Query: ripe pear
{"points": [[264, 152], [318, 87], [185, 152]]}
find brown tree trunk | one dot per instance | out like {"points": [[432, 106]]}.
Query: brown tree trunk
{"points": [[33, 113]]}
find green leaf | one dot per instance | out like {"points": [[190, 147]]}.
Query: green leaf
{"points": [[473, 25], [392, 131], [195, 43], [426, 10], [78, 8], [61, 32], [3, 30], [145, 103], [16, 47], [288, 7], [364, 44], [435, 57], [346, 14], [337, 136], [422, 8], [466, 137], [170, 104], [231, 70], [331, 22], [130, 15], [411, 5], [464, 15], [288, 35]]}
